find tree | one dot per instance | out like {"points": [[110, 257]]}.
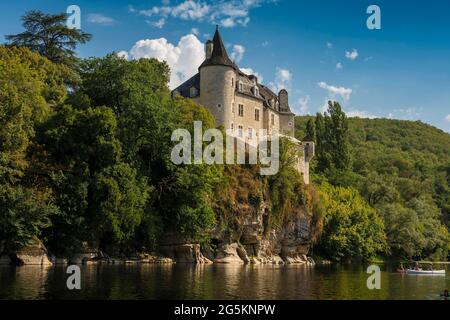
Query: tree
{"points": [[102, 200], [352, 229], [137, 93], [310, 131], [332, 137], [49, 35], [26, 203]]}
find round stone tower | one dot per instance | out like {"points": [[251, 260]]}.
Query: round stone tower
{"points": [[218, 82]]}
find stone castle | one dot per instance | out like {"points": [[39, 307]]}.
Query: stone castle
{"points": [[241, 104]]}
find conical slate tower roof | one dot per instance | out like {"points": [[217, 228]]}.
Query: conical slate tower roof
{"points": [[219, 54]]}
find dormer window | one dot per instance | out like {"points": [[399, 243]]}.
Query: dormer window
{"points": [[256, 91], [241, 86], [193, 92]]}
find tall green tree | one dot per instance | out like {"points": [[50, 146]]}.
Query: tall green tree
{"points": [[25, 201], [49, 35], [332, 138], [102, 200], [311, 130], [137, 93]]}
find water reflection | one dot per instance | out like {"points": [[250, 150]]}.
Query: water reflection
{"points": [[184, 281]]}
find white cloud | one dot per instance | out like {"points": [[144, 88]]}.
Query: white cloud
{"points": [[333, 90], [250, 71], [123, 54], [329, 45], [447, 118], [283, 78], [158, 24], [238, 53], [304, 104], [227, 13], [352, 55], [190, 10], [183, 58], [98, 18], [339, 66], [265, 44], [195, 31], [360, 114]]}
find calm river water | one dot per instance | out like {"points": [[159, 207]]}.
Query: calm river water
{"points": [[216, 282]]}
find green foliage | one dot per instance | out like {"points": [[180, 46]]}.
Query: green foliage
{"points": [[286, 187], [119, 199], [137, 93], [333, 149], [25, 204], [397, 166], [94, 189], [24, 213], [352, 229], [48, 35]]}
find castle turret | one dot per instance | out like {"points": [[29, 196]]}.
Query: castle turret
{"points": [[287, 118], [208, 49], [217, 81]]}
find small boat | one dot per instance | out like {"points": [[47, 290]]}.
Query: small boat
{"points": [[425, 272]]}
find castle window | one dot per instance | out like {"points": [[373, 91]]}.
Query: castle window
{"points": [[256, 114], [272, 119], [256, 91], [232, 127], [232, 82], [232, 107], [290, 123], [219, 106], [193, 92], [241, 131], [241, 110], [241, 86], [250, 133]]}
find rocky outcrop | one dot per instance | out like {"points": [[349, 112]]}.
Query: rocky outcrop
{"points": [[34, 253], [181, 252], [189, 253], [251, 243], [231, 254]]}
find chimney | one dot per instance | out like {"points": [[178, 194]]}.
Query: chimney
{"points": [[208, 49]]}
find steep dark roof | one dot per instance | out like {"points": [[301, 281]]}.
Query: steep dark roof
{"points": [[219, 54], [184, 88]]}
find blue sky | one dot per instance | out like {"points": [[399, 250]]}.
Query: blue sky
{"points": [[318, 50]]}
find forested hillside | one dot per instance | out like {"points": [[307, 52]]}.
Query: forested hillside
{"points": [[401, 168]]}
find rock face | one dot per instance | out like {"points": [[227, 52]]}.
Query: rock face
{"points": [[250, 243], [85, 253], [231, 254], [181, 252], [33, 254], [189, 253]]}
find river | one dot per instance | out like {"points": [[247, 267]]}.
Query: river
{"points": [[182, 281]]}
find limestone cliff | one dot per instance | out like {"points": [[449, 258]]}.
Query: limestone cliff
{"points": [[259, 220]]}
